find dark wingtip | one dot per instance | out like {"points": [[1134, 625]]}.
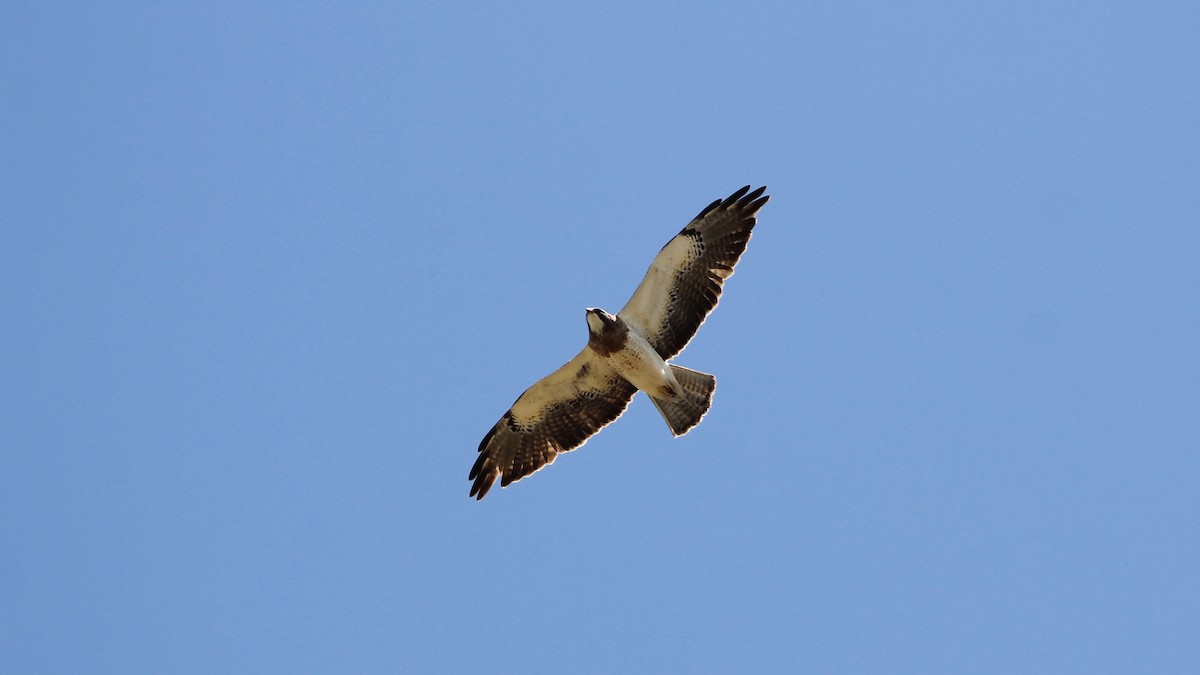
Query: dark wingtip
{"points": [[477, 467], [706, 210], [753, 207], [733, 198], [751, 203], [481, 486], [753, 195], [740, 198]]}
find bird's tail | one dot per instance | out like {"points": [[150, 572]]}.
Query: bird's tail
{"points": [[685, 410]]}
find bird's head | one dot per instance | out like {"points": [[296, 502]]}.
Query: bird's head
{"points": [[600, 321]]}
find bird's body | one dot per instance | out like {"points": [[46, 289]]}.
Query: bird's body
{"points": [[628, 352]]}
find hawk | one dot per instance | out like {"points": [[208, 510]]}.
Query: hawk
{"points": [[628, 352]]}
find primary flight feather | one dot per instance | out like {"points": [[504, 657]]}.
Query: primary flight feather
{"points": [[628, 352]]}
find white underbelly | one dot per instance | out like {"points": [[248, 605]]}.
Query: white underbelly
{"points": [[643, 367]]}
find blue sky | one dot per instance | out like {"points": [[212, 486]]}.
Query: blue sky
{"points": [[268, 273]]}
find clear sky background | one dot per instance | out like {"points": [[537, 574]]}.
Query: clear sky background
{"points": [[269, 272]]}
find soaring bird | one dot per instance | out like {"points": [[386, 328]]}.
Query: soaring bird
{"points": [[628, 352]]}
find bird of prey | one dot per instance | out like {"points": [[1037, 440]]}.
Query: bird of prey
{"points": [[628, 352]]}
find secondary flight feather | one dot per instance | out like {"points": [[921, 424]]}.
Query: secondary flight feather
{"points": [[628, 352]]}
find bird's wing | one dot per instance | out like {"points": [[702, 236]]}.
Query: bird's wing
{"points": [[684, 281], [558, 413]]}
